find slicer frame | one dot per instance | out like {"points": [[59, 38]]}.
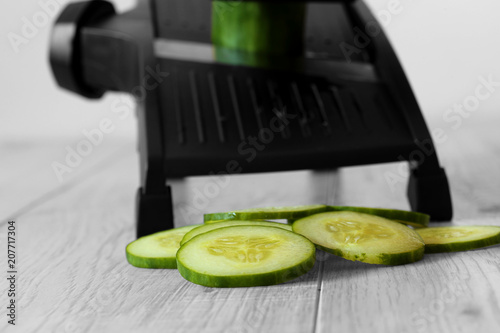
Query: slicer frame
{"points": [[194, 113]]}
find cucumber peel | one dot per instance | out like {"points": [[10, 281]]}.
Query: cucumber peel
{"points": [[212, 226], [245, 256], [266, 213], [157, 250], [459, 238], [414, 219], [242, 249], [362, 237]]}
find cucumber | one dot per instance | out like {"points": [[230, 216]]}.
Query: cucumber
{"points": [[245, 256], [157, 250], [271, 213], [414, 219], [248, 32], [362, 237], [212, 226], [459, 238]]}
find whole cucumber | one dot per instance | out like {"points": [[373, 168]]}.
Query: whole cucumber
{"points": [[252, 32]]}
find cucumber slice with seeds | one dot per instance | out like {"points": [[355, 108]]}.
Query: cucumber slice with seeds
{"points": [[414, 219], [157, 250], [212, 226], [459, 238], [245, 256], [271, 213], [362, 237]]}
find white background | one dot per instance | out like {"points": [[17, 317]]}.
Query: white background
{"points": [[443, 45]]}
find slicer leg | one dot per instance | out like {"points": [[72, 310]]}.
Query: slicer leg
{"points": [[153, 212], [429, 192]]}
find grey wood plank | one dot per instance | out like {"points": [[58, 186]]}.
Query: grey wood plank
{"points": [[74, 276], [27, 177], [455, 292]]}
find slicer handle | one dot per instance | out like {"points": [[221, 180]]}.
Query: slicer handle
{"points": [[65, 45]]}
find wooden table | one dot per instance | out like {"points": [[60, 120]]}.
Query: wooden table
{"points": [[73, 275]]}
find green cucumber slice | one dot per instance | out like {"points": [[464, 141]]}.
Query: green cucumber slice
{"points": [[212, 226], [157, 250], [362, 237], [266, 213], [414, 219], [459, 238], [245, 256]]}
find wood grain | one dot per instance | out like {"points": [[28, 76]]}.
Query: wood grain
{"points": [[454, 292], [75, 277], [28, 178]]}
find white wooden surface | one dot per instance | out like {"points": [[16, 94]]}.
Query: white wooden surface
{"points": [[73, 275], [72, 235]]}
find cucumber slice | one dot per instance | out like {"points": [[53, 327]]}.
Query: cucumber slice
{"points": [[157, 250], [362, 237], [212, 226], [414, 219], [266, 213], [459, 238], [245, 256]]}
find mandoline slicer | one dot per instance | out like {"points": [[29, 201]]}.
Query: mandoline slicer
{"points": [[339, 107]]}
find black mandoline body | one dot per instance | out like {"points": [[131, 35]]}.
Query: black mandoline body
{"points": [[338, 106]]}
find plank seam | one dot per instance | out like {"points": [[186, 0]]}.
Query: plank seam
{"points": [[332, 195]]}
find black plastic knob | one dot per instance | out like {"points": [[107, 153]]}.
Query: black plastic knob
{"points": [[65, 44]]}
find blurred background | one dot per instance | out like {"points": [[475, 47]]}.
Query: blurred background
{"points": [[444, 46]]}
